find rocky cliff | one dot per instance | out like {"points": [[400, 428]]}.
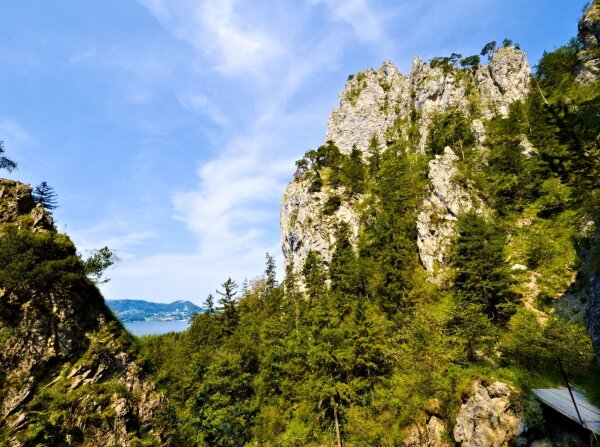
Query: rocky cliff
{"points": [[589, 72], [69, 373], [380, 106], [589, 35]]}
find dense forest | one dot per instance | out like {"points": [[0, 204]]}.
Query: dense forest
{"points": [[351, 351], [354, 351]]}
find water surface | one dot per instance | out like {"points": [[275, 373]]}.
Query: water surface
{"points": [[140, 328]]}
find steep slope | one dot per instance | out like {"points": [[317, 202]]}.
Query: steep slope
{"points": [[380, 107], [589, 73], [69, 373]]}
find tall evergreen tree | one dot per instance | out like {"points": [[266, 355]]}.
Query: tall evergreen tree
{"points": [[270, 274], [482, 274], [228, 305], [44, 195], [5, 162]]}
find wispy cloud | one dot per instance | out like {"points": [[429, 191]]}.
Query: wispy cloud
{"points": [[14, 134], [234, 44], [83, 55], [367, 23], [201, 103]]}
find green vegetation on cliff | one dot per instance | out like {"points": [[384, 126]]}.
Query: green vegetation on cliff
{"points": [[369, 343]]}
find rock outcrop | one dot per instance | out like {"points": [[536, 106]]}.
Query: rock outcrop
{"points": [[69, 374], [430, 433], [304, 226], [437, 220], [383, 106], [589, 34], [18, 207], [375, 101], [486, 418]]}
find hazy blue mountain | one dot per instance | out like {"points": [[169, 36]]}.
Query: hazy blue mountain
{"points": [[140, 310]]}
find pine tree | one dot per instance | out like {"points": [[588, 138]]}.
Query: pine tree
{"points": [[343, 269], [270, 274], [314, 275], [227, 301], [482, 273], [5, 162], [210, 305], [44, 195]]}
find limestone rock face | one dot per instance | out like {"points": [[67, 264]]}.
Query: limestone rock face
{"points": [[17, 207], [62, 351], [373, 100], [589, 34], [486, 419], [436, 221], [367, 108], [386, 106], [430, 434], [305, 228], [503, 81]]}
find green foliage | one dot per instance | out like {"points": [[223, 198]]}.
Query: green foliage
{"points": [[333, 203], [471, 62], [38, 261], [482, 273], [44, 195], [450, 128], [511, 176], [227, 302], [5, 162], [358, 84], [98, 262], [535, 345], [489, 48], [369, 343]]}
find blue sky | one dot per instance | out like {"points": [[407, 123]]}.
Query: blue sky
{"points": [[169, 128]]}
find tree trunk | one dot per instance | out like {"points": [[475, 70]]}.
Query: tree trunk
{"points": [[337, 428]]}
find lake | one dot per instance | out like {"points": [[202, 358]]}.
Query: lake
{"points": [[140, 328]]}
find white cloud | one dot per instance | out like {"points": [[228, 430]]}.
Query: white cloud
{"points": [[200, 102], [232, 211], [235, 45], [13, 134], [83, 55], [361, 16]]}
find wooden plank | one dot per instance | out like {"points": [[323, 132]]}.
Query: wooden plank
{"points": [[561, 396], [584, 406], [564, 402], [560, 400]]}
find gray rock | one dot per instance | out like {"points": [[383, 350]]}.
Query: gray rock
{"points": [[67, 335], [430, 434], [305, 228], [486, 419], [589, 34], [383, 104], [436, 222]]}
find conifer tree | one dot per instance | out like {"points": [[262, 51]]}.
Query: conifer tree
{"points": [[5, 162], [210, 305], [227, 302], [482, 273], [44, 195], [314, 275], [270, 274]]}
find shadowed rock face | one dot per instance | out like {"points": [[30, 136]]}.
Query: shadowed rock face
{"points": [[69, 373], [592, 313], [380, 106]]}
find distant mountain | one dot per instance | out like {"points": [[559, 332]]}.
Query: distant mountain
{"points": [[140, 310]]}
